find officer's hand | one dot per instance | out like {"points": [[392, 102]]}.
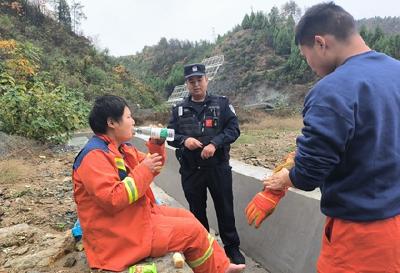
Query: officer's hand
{"points": [[153, 162], [208, 151], [192, 143]]}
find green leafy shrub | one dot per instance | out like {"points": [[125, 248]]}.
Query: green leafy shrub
{"points": [[6, 24], [95, 75], [42, 114]]}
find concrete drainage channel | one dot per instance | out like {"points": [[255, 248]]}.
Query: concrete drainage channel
{"points": [[287, 242]]}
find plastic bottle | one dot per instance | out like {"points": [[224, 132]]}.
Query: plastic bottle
{"points": [[156, 133], [143, 268]]}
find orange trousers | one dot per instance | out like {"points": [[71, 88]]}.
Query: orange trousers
{"points": [[360, 247], [176, 229]]}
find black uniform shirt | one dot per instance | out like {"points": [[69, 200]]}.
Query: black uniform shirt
{"points": [[211, 121]]}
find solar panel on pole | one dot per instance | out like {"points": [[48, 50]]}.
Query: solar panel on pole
{"points": [[212, 65]]}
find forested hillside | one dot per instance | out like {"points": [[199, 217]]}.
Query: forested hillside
{"points": [[389, 25], [262, 64], [257, 52], [48, 74], [161, 66]]}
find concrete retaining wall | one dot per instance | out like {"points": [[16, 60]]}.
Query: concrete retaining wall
{"points": [[287, 242]]}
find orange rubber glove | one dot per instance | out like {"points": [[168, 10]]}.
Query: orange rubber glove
{"points": [[264, 203], [287, 163]]}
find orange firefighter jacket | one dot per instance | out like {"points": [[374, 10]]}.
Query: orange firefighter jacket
{"points": [[114, 200]]}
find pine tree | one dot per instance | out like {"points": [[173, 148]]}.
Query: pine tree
{"points": [[246, 24], [63, 13], [77, 15]]}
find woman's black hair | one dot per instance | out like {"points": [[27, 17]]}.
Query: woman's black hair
{"points": [[107, 106]]}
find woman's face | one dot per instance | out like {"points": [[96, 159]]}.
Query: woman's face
{"points": [[123, 128]]}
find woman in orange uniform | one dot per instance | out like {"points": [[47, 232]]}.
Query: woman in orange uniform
{"points": [[120, 220]]}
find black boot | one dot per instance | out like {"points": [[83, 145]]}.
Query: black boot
{"points": [[235, 255]]}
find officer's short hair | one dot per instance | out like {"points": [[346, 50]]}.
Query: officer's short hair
{"points": [[192, 70], [107, 106], [321, 19]]}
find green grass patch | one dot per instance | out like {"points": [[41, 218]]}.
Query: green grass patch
{"points": [[246, 139]]}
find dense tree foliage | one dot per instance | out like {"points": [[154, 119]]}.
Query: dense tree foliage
{"points": [[389, 25], [161, 66], [29, 104], [378, 40], [44, 63], [63, 13], [49, 74], [260, 50]]}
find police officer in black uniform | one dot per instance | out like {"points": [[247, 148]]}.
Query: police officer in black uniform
{"points": [[205, 126]]}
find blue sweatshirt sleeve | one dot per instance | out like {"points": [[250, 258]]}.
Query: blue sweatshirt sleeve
{"points": [[320, 147]]}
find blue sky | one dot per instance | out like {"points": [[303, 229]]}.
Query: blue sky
{"points": [[126, 26]]}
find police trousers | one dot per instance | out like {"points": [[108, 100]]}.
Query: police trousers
{"points": [[218, 180]]}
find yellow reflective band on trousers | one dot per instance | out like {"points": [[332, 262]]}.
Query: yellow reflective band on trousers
{"points": [[120, 163], [205, 256], [131, 189]]}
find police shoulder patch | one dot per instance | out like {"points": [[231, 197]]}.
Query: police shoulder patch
{"points": [[180, 110], [232, 109]]}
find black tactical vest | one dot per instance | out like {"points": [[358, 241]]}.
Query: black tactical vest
{"points": [[201, 121]]}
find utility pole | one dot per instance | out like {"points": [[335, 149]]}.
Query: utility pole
{"points": [[213, 35]]}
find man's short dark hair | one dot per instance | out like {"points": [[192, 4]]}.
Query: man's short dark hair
{"points": [[321, 19], [107, 106]]}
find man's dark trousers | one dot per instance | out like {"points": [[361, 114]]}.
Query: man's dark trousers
{"points": [[218, 179]]}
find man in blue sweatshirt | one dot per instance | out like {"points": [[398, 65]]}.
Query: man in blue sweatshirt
{"points": [[350, 144]]}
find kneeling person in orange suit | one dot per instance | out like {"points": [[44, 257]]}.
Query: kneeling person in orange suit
{"points": [[121, 222]]}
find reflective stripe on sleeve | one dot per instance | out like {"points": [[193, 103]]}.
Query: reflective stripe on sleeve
{"points": [[120, 163], [206, 255], [130, 187]]}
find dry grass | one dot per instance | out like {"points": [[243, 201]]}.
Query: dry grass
{"points": [[13, 170], [265, 139], [275, 123], [257, 119]]}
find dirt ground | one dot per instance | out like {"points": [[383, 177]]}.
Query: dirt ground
{"points": [[265, 140], [36, 187]]}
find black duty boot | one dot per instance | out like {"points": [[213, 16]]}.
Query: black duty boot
{"points": [[235, 255]]}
